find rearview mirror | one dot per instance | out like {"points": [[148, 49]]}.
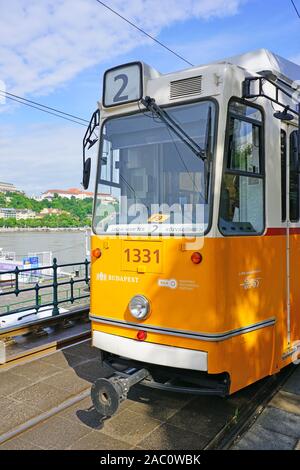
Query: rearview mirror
{"points": [[86, 173]]}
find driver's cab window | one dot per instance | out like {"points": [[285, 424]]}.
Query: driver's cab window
{"points": [[242, 192]]}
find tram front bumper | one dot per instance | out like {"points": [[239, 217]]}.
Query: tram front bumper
{"points": [[151, 353]]}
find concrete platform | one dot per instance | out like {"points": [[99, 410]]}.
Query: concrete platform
{"points": [[278, 426], [149, 419]]}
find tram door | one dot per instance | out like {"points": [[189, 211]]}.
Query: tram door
{"points": [[290, 212]]}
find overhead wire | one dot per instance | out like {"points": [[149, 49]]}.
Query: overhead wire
{"points": [[296, 9], [44, 106], [71, 117], [45, 111], [145, 32]]}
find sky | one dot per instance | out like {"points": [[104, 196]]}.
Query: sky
{"points": [[56, 52]]}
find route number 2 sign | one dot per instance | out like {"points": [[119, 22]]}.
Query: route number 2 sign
{"points": [[122, 84]]}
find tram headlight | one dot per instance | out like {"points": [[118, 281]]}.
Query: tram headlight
{"points": [[139, 307]]}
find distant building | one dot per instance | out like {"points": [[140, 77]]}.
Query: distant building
{"points": [[50, 211], [8, 187], [68, 193], [77, 193], [37, 198], [106, 199], [25, 214], [7, 213], [11, 213]]}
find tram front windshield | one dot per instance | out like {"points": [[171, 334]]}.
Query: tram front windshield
{"points": [[149, 180]]}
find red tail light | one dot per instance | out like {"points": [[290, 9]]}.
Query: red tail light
{"points": [[96, 253], [141, 335], [196, 257]]}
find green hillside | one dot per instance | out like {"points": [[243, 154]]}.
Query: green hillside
{"points": [[78, 212]]}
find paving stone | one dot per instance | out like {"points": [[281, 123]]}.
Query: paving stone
{"points": [[203, 415], [292, 385], [13, 414], [286, 401], [55, 433], [92, 370], [41, 396], [172, 438], [242, 396], [85, 350], [154, 403], [85, 414], [5, 403], [18, 444], [35, 370], [280, 421], [297, 446], [70, 412], [98, 441], [129, 426], [11, 383], [67, 380], [259, 438], [74, 360], [62, 360]]}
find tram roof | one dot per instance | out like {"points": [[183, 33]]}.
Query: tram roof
{"points": [[263, 59]]}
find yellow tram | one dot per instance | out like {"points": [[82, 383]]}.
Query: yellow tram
{"points": [[195, 267]]}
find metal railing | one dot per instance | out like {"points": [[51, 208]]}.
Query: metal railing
{"points": [[34, 276], [11, 307]]}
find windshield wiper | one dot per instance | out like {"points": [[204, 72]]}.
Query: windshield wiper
{"points": [[151, 106], [207, 163], [128, 186]]}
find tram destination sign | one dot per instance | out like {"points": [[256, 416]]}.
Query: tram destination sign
{"points": [[123, 84]]}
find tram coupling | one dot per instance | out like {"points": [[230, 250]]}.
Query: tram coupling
{"points": [[107, 394]]}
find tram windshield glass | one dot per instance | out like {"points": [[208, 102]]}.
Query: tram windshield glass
{"points": [[149, 180]]}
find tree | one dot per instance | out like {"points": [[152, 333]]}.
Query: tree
{"points": [[77, 212]]}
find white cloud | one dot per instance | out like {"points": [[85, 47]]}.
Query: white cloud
{"points": [[41, 156], [43, 44], [213, 48], [296, 59]]}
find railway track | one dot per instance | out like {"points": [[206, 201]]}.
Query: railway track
{"points": [[223, 439], [72, 328], [235, 428], [38, 338]]}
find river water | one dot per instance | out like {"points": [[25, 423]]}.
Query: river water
{"points": [[67, 247]]}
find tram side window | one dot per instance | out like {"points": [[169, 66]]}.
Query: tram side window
{"points": [[242, 192], [294, 178], [283, 176]]}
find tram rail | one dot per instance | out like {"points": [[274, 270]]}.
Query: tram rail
{"points": [[230, 432], [33, 317], [75, 322]]}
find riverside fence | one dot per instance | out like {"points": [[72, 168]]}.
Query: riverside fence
{"points": [[43, 287]]}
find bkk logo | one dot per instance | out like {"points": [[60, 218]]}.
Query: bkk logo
{"points": [[171, 283]]}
